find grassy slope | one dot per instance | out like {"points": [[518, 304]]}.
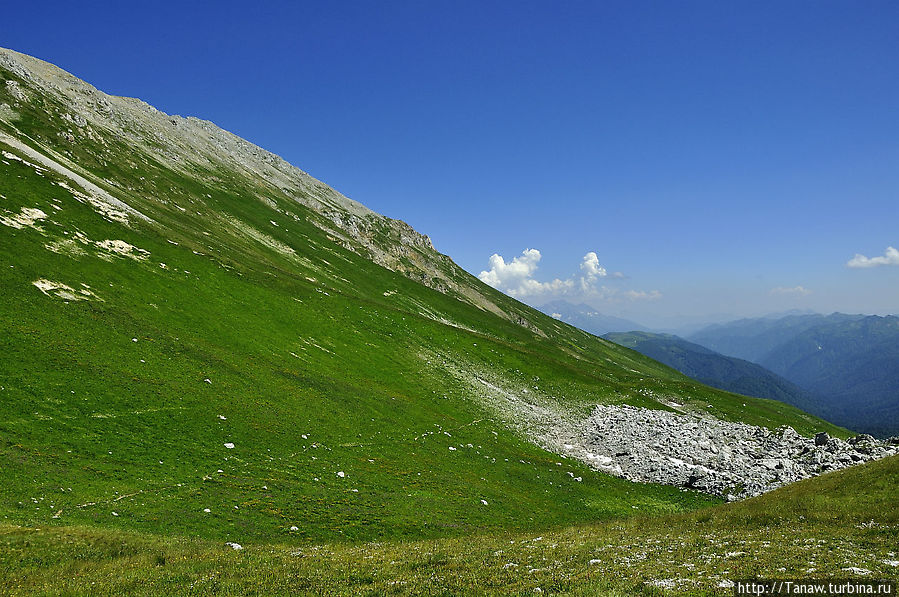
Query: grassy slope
{"points": [[320, 343], [813, 529]]}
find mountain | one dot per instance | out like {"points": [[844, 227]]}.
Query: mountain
{"points": [[753, 338], [587, 318], [204, 345], [853, 365], [850, 363], [714, 369]]}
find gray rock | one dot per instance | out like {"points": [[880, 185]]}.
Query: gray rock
{"points": [[660, 446], [16, 91]]}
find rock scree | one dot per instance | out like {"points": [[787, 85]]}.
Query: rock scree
{"points": [[698, 451]]}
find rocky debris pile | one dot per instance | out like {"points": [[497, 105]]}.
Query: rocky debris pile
{"points": [[698, 451]]}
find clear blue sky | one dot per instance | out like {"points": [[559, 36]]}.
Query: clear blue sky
{"points": [[733, 157]]}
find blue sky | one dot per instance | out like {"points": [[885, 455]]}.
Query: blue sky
{"points": [[719, 158]]}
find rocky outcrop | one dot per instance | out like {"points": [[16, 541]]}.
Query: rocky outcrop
{"points": [[698, 451]]}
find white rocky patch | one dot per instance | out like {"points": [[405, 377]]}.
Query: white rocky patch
{"points": [[859, 571], [64, 291], [11, 156], [109, 248], [27, 217], [123, 249], [234, 546], [66, 246]]}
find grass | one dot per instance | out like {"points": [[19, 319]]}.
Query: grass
{"points": [[816, 528]]}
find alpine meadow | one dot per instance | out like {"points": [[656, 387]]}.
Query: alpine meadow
{"points": [[220, 376]]}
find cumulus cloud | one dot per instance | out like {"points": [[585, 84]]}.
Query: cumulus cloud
{"points": [[591, 271], [795, 290], [591, 267], [890, 257], [502, 274], [516, 278]]}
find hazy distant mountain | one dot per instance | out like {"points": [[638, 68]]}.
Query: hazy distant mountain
{"points": [[752, 339], [715, 369], [588, 318], [853, 365], [849, 362]]}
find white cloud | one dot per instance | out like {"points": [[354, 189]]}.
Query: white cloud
{"points": [[795, 290], [591, 267], [502, 273], [890, 257], [516, 278]]}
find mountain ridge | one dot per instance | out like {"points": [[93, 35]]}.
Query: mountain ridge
{"points": [[709, 367], [355, 226], [848, 362]]}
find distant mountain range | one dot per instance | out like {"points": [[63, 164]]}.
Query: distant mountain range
{"points": [[850, 363], [588, 318], [715, 369], [754, 338]]}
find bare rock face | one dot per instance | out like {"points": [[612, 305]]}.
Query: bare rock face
{"points": [[698, 451]]}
